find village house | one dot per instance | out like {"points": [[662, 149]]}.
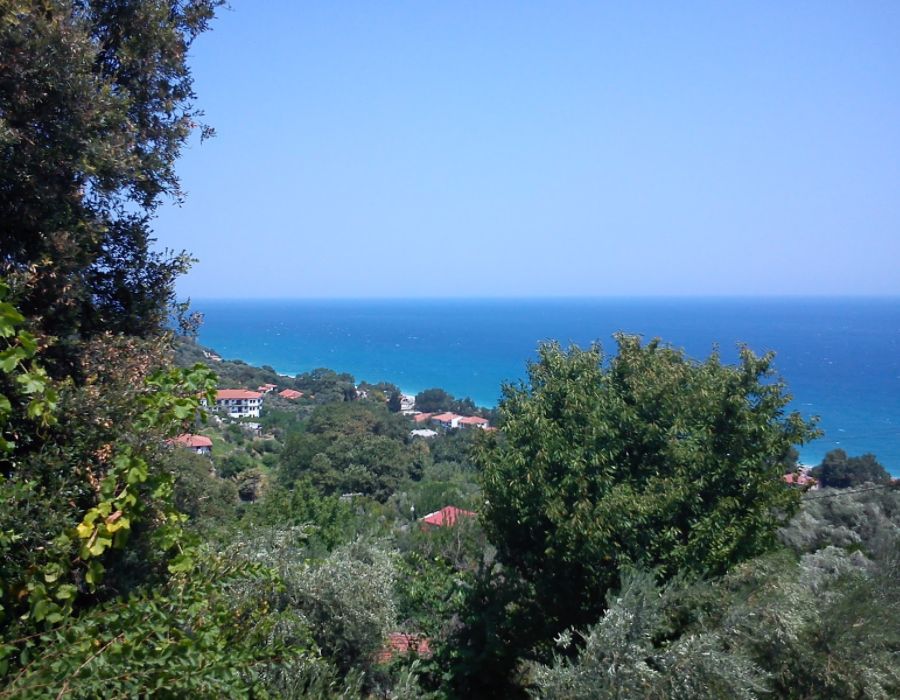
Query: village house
{"points": [[452, 420], [267, 388], [200, 444], [446, 420], [290, 394], [238, 403]]}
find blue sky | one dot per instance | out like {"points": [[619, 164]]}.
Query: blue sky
{"points": [[426, 149]]}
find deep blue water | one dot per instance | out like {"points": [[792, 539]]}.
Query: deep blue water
{"points": [[840, 357]]}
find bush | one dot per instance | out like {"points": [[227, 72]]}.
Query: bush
{"points": [[212, 632], [619, 657]]}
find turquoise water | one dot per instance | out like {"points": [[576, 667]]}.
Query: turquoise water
{"points": [[840, 357]]}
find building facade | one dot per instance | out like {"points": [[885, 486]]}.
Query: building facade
{"points": [[238, 403]]}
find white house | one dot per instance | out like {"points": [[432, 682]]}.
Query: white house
{"points": [[446, 420], [238, 403]]}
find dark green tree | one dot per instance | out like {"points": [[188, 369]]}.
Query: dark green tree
{"points": [[96, 101], [433, 400], [649, 460], [326, 385], [356, 447], [840, 471]]}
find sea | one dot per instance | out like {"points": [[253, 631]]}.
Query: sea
{"points": [[840, 357]]}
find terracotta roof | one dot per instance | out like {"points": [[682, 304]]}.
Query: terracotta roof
{"points": [[448, 515], [445, 417], [290, 394], [237, 394], [422, 417], [403, 643], [189, 440], [473, 420]]}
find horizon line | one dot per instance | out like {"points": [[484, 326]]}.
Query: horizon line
{"points": [[563, 297]]}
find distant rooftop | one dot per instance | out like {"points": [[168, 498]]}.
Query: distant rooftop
{"points": [[237, 394], [190, 440], [446, 516]]}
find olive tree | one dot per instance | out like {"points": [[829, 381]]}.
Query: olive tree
{"points": [[619, 659]]}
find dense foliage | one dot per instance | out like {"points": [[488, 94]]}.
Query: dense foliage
{"points": [[96, 101], [353, 448], [652, 460]]}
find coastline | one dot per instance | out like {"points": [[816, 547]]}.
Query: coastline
{"points": [[808, 459], [470, 348]]}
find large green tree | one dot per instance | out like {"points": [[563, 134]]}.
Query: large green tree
{"points": [[436, 400], [356, 447], [840, 471], [95, 105], [643, 459]]}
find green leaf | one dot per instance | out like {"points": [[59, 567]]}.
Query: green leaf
{"points": [[184, 410], [31, 383], [52, 572], [27, 342], [138, 473], [66, 592], [41, 608], [94, 573], [181, 563]]}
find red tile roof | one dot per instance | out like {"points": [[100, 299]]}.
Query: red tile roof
{"points": [[422, 417], [473, 420], [290, 394], [403, 643], [237, 394], [445, 417], [448, 515], [189, 440]]}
